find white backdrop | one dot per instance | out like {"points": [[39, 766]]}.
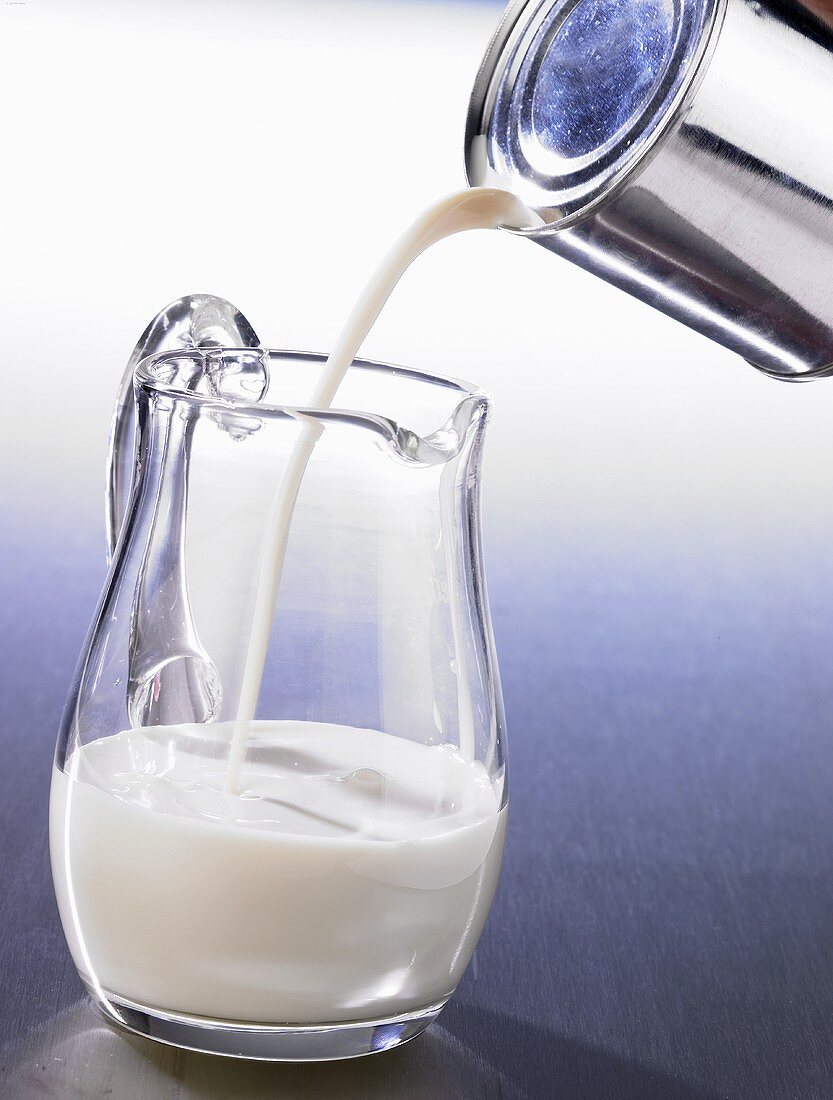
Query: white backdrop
{"points": [[269, 152]]}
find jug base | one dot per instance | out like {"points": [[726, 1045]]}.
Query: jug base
{"points": [[263, 1042]]}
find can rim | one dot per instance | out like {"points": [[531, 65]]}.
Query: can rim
{"points": [[509, 31]]}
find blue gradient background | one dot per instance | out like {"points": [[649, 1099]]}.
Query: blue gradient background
{"points": [[658, 524]]}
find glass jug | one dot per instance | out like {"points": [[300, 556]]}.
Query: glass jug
{"points": [[328, 903]]}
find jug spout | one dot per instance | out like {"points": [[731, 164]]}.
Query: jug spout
{"points": [[678, 151]]}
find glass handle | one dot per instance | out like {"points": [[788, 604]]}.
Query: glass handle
{"points": [[121, 453], [170, 677], [196, 321]]}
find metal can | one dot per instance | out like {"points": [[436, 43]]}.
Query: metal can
{"points": [[680, 149]]}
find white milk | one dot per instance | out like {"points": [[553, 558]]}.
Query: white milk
{"points": [[473, 208], [349, 879], [283, 872]]}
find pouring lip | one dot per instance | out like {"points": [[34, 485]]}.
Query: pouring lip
{"points": [[440, 445]]}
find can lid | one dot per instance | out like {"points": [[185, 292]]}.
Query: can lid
{"points": [[572, 94]]}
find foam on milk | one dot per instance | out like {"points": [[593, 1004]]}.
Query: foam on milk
{"points": [[351, 876]]}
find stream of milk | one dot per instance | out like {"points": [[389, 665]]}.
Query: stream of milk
{"points": [[473, 208]]}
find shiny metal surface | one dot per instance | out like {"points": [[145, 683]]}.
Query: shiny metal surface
{"points": [[678, 149]]}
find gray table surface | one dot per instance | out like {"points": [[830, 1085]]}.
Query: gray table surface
{"points": [[664, 924]]}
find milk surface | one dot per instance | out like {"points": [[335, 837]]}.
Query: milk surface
{"points": [[348, 879]]}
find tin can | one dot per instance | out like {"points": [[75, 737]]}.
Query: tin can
{"points": [[681, 150]]}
